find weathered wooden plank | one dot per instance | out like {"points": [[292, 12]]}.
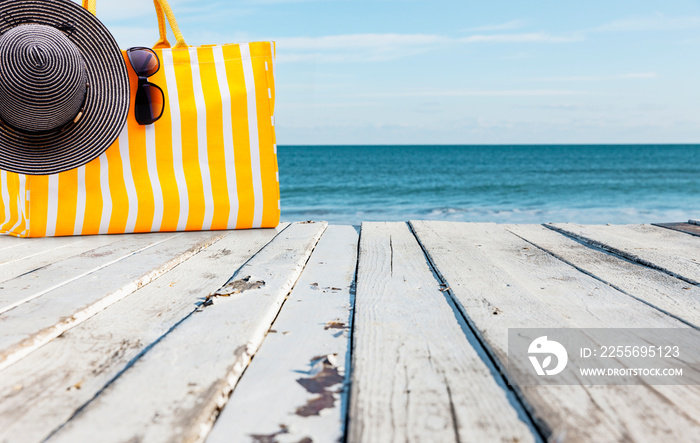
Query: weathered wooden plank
{"points": [[416, 375], [174, 391], [688, 228], [31, 285], [672, 252], [500, 282], [33, 324], [9, 250], [36, 253], [669, 294], [8, 241], [292, 389], [41, 392]]}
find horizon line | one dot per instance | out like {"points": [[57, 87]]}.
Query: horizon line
{"points": [[487, 144]]}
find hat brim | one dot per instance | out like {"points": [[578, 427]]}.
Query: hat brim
{"points": [[107, 100]]}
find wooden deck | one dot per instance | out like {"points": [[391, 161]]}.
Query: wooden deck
{"points": [[317, 333]]}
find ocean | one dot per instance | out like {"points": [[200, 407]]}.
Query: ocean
{"points": [[589, 184]]}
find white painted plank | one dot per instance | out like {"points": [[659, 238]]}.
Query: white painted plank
{"points": [[292, 389], [669, 294], [9, 250], [8, 241], [38, 321], [500, 282], [29, 286], [174, 391], [36, 253], [673, 252], [416, 376], [41, 392]]}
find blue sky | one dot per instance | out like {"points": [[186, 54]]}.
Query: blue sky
{"points": [[462, 72]]}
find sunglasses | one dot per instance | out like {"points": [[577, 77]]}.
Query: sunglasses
{"points": [[150, 100]]}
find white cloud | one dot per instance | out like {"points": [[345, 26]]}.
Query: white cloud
{"points": [[513, 24], [378, 47], [593, 78], [476, 93], [657, 22], [640, 75], [537, 37], [354, 41]]}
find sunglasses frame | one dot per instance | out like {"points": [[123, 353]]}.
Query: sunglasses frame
{"points": [[143, 81]]}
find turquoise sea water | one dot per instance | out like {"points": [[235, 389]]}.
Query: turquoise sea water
{"points": [[508, 184]]}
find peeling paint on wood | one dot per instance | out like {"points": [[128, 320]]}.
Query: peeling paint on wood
{"points": [[210, 348], [297, 376], [335, 324], [98, 349], [416, 376], [269, 438], [155, 366], [325, 375], [239, 285]]}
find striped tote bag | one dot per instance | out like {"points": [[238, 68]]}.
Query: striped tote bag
{"points": [[210, 162]]}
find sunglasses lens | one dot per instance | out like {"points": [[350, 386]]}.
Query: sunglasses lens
{"points": [[144, 61], [149, 104]]}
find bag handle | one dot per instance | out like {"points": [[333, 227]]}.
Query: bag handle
{"points": [[163, 11]]}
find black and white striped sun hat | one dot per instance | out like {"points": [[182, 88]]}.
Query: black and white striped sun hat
{"points": [[64, 87]]}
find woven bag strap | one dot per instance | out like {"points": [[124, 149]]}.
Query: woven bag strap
{"points": [[163, 11]]}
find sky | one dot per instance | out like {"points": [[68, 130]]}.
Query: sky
{"points": [[459, 72]]}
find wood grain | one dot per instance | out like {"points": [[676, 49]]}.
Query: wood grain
{"points": [[33, 254], [8, 241], [62, 271], [675, 253], [292, 389], [174, 391], [688, 228], [45, 315], [42, 391], [500, 281], [660, 290], [416, 375]]}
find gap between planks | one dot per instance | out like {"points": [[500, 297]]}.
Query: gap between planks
{"points": [[500, 282], [40, 392], [42, 316], [182, 383], [293, 390], [688, 228], [669, 251], [659, 290], [29, 286], [416, 375], [37, 253]]}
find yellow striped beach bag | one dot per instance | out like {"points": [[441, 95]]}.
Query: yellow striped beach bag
{"points": [[209, 163]]}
